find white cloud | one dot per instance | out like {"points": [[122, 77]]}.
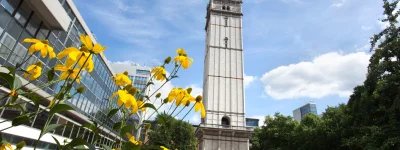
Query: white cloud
{"points": [[248, 80], [383, 25], [366, 28], [328, 74], [195, 119], [196, 90], [142, 23], [338, 3]]}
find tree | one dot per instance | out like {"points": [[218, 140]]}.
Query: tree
{"points": [[172, 133], [375, 105], [278, 132]]}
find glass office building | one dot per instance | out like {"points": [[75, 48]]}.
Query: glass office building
{"points": [[252, 122], [309, 108], [58, 21], [139, 75]]}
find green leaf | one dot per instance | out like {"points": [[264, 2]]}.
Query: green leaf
{"points": [[150, 83], [130, 146], [7, 78], [50, 128], [10, 68], [90, 126], [112, 112], [58, 142], [20, 120], [20, 145], [126, 129], [148, 105], [106, 147], [17, 83], [60, 108], [50, 74], [78, 142], [117, 126]]}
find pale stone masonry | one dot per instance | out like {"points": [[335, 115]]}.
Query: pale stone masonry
{"points": [[224, 126]]}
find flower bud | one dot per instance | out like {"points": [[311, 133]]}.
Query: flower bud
{"points": [[167, 60], [80, 90], [158, 95], [189, 90], [199, 98]]}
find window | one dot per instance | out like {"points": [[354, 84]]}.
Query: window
{"points": [[4, 19], [10, 5], [223, 7], [226, 42], [228, 8], [23, 13], [40, 120], [225, 121], [226, 21], [18, 54], [7, 43]]}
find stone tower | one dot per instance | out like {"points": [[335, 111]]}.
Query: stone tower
{"points": [[224, 126]]}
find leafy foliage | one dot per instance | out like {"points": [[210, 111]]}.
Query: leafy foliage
{"points": [[172, 133], [370, 120]]}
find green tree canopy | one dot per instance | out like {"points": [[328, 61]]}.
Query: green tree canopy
{"points": [[172, 133]]}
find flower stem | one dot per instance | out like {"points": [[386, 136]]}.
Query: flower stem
{"points": [[188, 111]]}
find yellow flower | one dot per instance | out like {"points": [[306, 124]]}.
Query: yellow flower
{"points": [[181, 52], [84, 59], [141, 106], [159, 73], [40, 45], [6, 146], [132, 139], [124, 98], [33, 71], [122, 79], [199, 106], [163, 148], [87, 45], [185, 61], [68, 72], [173, 94], [181, 96]]}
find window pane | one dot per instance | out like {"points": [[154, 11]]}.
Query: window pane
{"points": [[23, 13], [10, 5], [4, 19], [68, 129], [40, 120], [6, 44]]}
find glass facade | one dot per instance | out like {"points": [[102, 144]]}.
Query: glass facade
{"points": [[250, 122], [140, 79], [17, 22], [309, 108]]}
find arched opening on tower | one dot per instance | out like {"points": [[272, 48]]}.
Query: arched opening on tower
{"points": [[225, 121]]}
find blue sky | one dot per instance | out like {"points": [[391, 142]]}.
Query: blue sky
{"points": [[295, 51]]}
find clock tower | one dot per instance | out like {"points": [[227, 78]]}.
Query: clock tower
{"points": [[224, 127]]}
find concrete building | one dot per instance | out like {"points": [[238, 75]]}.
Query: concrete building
{"points": [[224, 127], [299, 113], [60, 22]]}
